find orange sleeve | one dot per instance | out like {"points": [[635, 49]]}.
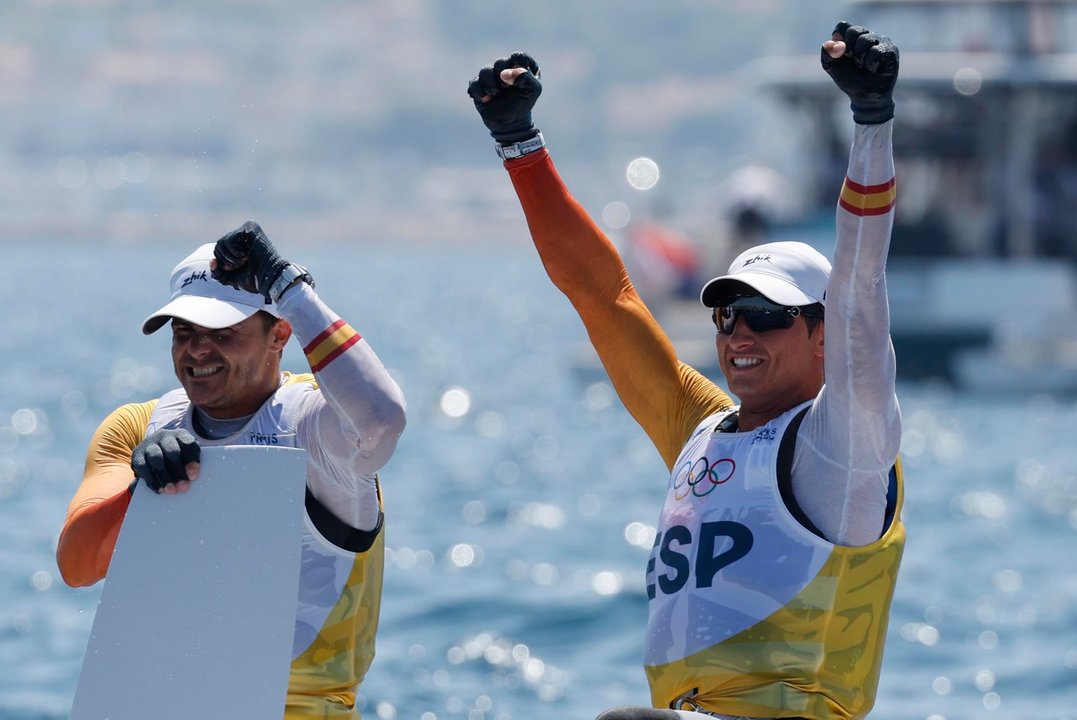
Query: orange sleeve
{"points": [[665, 396], [96, 512]]}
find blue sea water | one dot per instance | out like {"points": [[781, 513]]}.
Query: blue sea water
{"points": [[522, 497]]}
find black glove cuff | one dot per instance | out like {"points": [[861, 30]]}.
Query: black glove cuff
{"points": [[274, 266], [874, 114], [511, 136]]}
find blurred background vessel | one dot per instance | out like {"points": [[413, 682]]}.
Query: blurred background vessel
{"points": [[982, 283]]}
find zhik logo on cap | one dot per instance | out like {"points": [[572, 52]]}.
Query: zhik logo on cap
{"points": [[757, 258], [199, 275]]}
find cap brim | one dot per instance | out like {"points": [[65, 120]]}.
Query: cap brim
{"points": [[207, 312], [772, 288]]}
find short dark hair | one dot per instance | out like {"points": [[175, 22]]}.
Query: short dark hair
{"points": [[815, 316], [268, 320]]}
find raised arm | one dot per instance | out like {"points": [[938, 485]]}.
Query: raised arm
{"points": [[665, 396], [851, 435], [350, 428]]}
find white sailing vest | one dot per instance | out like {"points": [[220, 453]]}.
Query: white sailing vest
{"points": [[728, 553], [749, 611]]}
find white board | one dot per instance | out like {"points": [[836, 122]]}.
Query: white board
{"points": [[197, 612]]}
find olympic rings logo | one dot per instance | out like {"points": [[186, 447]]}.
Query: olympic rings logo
{"points": [[692, 474]]}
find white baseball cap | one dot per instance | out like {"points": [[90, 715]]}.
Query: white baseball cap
{"points": [[787, 273], [201, 300]]}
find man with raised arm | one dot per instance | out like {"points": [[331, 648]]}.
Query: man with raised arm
{"points": [[234, 305], [778, 545]]}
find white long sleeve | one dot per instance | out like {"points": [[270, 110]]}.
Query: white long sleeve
{"points": [[851, 434], [351, 427]]}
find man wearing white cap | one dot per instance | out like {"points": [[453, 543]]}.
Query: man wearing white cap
{"points": [[771, 576], [234, 306]]}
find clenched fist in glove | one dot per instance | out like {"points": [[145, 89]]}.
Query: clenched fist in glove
{"points": [[865, 67], [504, 94], [247, 260]]}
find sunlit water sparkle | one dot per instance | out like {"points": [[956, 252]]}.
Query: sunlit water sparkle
{"points": [[522, 500]]}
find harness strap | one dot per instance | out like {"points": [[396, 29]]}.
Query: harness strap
{"points": [[337, 531], [785, 474], [687, 701]]}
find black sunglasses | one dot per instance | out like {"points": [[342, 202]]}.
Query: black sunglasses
{"points": [[761, 314]]}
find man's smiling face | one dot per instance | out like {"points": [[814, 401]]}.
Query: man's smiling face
{"points": [[229, 372]]}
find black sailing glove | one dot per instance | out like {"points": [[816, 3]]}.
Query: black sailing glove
{"points": [[163, 457], [866, 72], [507, 113], [247, 260]]}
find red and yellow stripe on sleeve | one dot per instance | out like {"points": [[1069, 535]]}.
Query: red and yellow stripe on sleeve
{"points": [[333, 341], [867, 199]]}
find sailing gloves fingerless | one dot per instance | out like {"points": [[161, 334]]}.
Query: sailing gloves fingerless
{"points": [[247, 260], [163, 457], [866, 72], [507, 108]]}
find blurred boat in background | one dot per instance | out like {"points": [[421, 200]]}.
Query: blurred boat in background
{"points": [[982, 282]]}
